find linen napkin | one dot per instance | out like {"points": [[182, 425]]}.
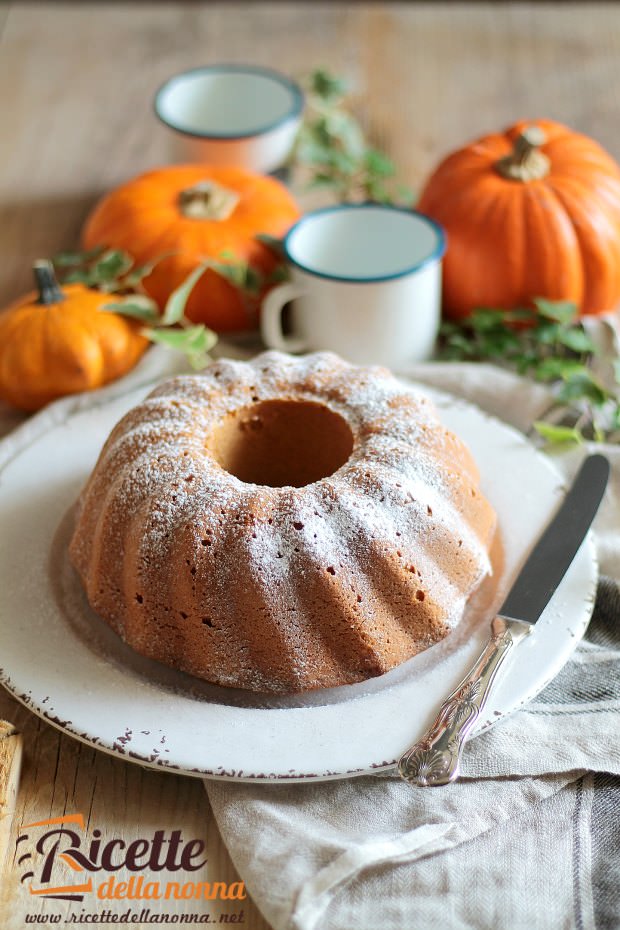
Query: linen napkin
{"points": [[529, 838]]}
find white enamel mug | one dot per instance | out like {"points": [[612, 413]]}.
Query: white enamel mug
{"points": [[231, 115], [365, 283]]}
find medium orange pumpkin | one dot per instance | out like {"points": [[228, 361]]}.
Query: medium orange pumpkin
{"points": [[55, 342], [190, 213], [530, 212]]}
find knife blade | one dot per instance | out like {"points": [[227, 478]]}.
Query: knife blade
{"points": [[435, 759], [558, 545]]}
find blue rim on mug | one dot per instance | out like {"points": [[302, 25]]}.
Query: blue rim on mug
{"points": [[297, 100], [437, 253]]}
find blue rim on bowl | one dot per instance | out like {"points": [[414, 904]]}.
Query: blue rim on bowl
{"points": [[437, 253], [294, 111]]}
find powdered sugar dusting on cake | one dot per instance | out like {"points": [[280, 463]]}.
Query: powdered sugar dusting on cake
{"points": [[367, 536]]}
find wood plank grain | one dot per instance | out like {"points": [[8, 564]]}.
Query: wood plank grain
{"points": [[10, 767]]}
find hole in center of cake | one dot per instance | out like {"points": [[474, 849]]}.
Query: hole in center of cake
{"points": [[282, 443]]}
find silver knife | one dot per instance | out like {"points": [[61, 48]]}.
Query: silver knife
{"points": [[435, 759]]}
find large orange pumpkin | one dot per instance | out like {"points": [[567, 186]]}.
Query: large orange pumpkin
{"points": [[190, 213], [55, 342], [530, 212]]}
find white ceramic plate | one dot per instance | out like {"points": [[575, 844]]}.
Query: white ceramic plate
{"points": [[67, 666]]}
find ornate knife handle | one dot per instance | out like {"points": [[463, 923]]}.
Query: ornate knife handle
{"points": [[436, 758]]}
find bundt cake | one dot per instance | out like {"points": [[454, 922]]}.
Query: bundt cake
{"points": [[282, 524]]}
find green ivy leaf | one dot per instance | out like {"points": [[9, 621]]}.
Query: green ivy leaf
{"points": [[377, 163], [548, 334], [376, 190], [111, 266], [325, 180], [525, 362], [137, 307], [327, 86], [483, 320], [550, 369], [174, 310], [579, 385], [253, 281], [341, 128], [562, 311], [279, 274], [315, 153], [558, 434], [193, 337], [343, 162], [242, 275], [235, 272], [239, 272], [194, 341], [578, 340], [498, 344], [80, 276], [405, 196], [136, 275], [67, 259], [273, 244]]}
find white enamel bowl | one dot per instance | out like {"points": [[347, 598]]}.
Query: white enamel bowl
{"points": [[231, 115]]}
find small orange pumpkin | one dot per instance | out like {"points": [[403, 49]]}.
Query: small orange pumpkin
{"points": [[530, 212], [190, 213], [55, 342]]}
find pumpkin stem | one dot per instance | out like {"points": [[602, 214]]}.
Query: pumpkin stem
{"points": [[208, 200], [46, 283], [526, 162]]}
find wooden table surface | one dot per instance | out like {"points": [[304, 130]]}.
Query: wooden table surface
{"points": [[76, 83]]}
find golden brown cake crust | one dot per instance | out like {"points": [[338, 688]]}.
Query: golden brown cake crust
{"points": [[193, 556]]}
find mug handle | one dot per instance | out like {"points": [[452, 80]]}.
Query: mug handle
{"points": [[271, 318]]}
